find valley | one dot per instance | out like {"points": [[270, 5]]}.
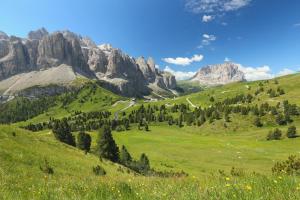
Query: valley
{"points": [[226, 155]]}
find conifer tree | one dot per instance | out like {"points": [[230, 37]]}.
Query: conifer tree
{"points": [[62, 132], [291, 132], [144, 163], [107, 148], [125, 157], [84, 141]]}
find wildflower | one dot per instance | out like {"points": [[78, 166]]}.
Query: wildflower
{"points": [[248, 187], [194, 177], [227, 179], [297, 188], [227, 185], [275, 181]]}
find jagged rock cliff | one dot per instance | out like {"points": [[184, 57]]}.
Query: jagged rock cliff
{"points": [[219, 74], [28, 61]]}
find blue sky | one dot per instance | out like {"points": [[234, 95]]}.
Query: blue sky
{"points": [[184, 35]]}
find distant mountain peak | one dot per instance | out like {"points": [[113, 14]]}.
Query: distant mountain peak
{"points": [[219, 74]]}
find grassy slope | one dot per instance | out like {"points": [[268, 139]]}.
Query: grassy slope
{"points": [[197, 151], [20, 177], [86, 101]]}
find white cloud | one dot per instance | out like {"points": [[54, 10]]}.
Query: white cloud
{"points": [[157, 66], [262, 73], [215, 6], [179, 75], [184, 60], [227, 59], [224, 23], [207, 18], [285, 71], [257, 73], [207, 39]]}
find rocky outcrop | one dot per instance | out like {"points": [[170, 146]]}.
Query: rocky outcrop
{"points": [[3, 36], [38, 34], [42, 52], [219, 74]]}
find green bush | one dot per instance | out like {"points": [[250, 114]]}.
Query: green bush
{"points": [[274, 135], [46, 168], [99, 171], [291, 166], [291, 132]]}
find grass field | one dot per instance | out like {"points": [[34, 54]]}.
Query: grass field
{"points": [[203, 152], [21, 178]]}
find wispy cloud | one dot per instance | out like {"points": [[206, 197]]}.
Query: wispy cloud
{"points": [[207, 39], [285, 71], [184, 60], [179, 75], [207, 18], [215, 6], [297, 25]]}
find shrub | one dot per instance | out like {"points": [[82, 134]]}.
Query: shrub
{"points": [[291, 132], [291, 166], [99, 171], [237, 171], [46, 168], [274, 135], [257, 122]]}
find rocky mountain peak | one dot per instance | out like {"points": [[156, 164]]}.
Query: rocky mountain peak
{"points": [[37, 34], [3, 36], [219, 74]]}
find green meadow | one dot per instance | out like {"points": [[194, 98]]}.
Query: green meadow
{"points": [[231, 161]]}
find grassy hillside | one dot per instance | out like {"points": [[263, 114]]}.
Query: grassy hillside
{"points": [[23, 152], [207, 152]]}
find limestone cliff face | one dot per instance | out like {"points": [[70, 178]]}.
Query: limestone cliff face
{"points": [[219, 74], [43, 51]]}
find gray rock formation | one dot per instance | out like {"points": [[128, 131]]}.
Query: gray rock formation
{"points": [[219, 74], [26, 62], [38, 34], [3, 36]]}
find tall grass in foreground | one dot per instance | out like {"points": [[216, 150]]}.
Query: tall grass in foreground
{"points": [[213, 187]]}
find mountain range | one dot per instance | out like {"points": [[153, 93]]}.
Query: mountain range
{"points": [[59, 58]]}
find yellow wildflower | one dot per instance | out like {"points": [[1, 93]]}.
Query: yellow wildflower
{"points": [[227, 185], [248, 187], [227, 179], [275, 181]]}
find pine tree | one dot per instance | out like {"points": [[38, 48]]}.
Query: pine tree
{"points": [[125, 157], [291, 132], [107, 147], [144, 163], [84, 141], [280, 119], [62, 132]]}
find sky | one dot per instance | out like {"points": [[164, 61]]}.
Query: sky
{"points": [[262, 36]]}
